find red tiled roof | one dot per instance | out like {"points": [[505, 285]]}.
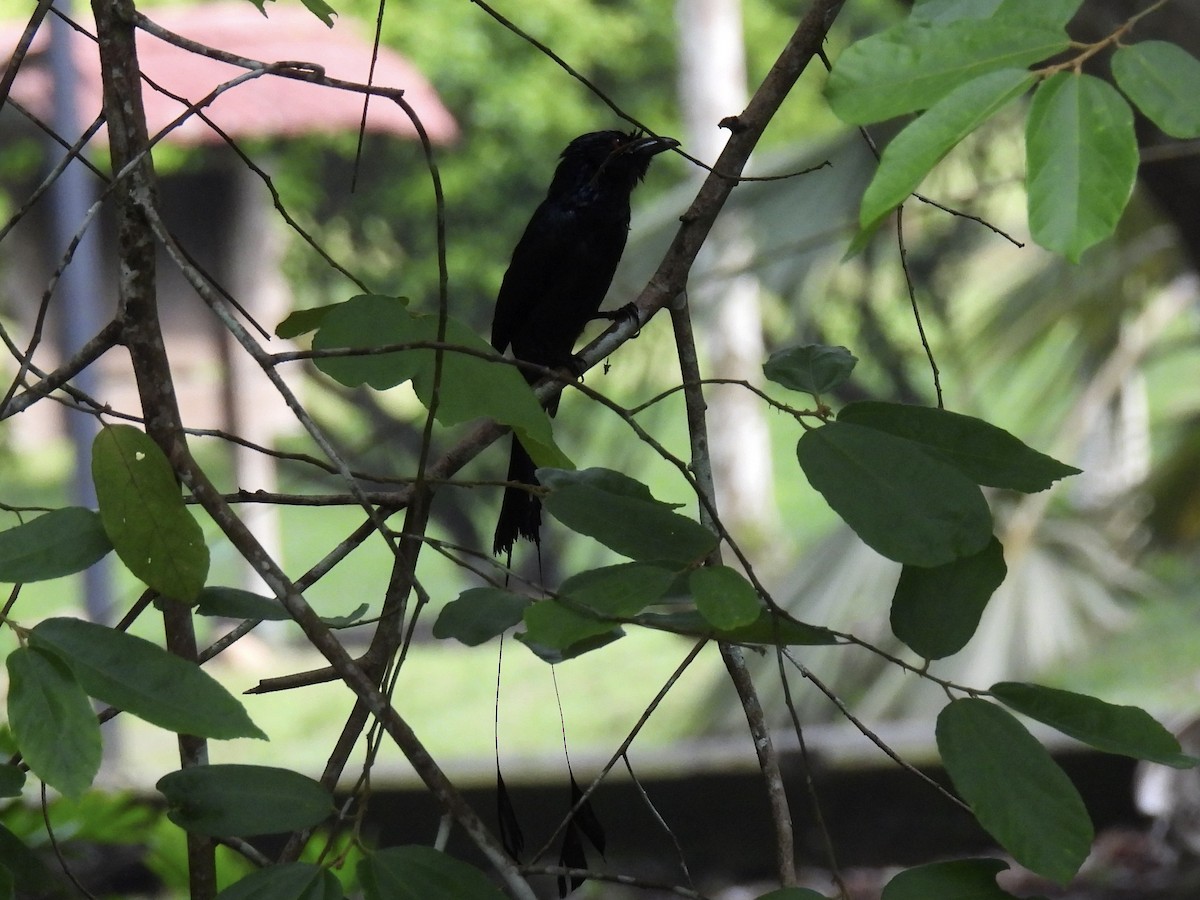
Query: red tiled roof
{"points": [[266, 106]]}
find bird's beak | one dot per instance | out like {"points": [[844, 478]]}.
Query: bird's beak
{"points": [[650, 145]]}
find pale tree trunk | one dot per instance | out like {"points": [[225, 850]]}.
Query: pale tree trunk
{"points": [[713, 86]]}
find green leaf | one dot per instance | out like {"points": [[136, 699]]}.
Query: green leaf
{"points": [[724, 597], [1126, 730], [12, 779], [1049, 13], [52, 721], [812, 368], [479, 614], [793, 893], [768, 628], [144, 514], [321, 10], [951, 10], [620, 513], [1082, 160], [302, 321], [422, 873], [983, 452], [910, 155], [292, 881], [143, 679], [911, 66], [7, 884], [234, 603], [471, 387], [936, 611], [960, 879], [618, 591], [237, 800], [1163, 81], [555, 626], [1017, 792], [906, 503], [60, 542]]}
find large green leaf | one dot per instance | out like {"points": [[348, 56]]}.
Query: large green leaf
{"points": [[291, 881], [422, 873], [983, 452], [904, 501], [619, 591], [1082, 159], [235, 603], [144, 515], [479, 614], [620, 513], [1163, 81], [556, 626], [768, 628], [470, 388], [812, 368], [910, 155], [52, 721], [959, 879], [145, 680], [1126, 730], [936, 611], [1017, 792], [60, 542], [911, 66], [724, 597], [236, 800]]}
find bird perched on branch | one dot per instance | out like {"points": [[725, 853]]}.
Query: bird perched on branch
{"points": [[560, 271]]}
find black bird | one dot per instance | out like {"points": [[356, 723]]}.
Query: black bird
{"points": [[560, 271]]}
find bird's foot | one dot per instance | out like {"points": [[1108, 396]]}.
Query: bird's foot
{"points": [[626, 313]]}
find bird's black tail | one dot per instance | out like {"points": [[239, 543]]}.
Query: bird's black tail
{"points": [[520, 511]]}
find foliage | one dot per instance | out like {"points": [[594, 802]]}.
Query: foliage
{"points": [[908, 479]]}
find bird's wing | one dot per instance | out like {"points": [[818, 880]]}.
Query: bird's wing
{"points": [[537, 266]]}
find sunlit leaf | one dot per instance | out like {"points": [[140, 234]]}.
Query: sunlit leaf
{"points": [[52, 721], [905, 502], [911, 66], [1163, 81], [1017, 792], [141, 678], [236, 800], [1126, 730], [911, 154], [144, 515], [936, 611], [1082, 160]]}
